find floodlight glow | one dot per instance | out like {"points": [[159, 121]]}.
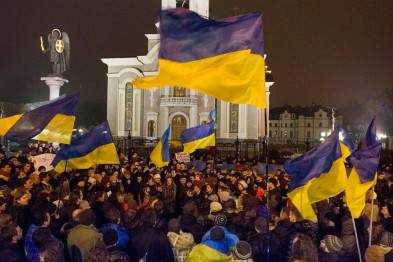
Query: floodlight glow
{"points": [[323, 134], [341, 136], [381, 136]]}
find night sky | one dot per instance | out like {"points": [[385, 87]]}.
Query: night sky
{"points": [[336, 52]]}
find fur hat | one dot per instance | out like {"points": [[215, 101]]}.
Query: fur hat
{"points": [[242, 250], [243, 183], [215, 207], [333, 244]]}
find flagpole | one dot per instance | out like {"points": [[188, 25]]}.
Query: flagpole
{"points": [[371, 218], [61, 189], [266, 173], [357, 240]]}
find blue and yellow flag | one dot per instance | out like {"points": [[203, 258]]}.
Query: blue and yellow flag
{"points": [[220, 58], [203, 253], [94, 148], [365, 163], [198, 137], [160, 155], [52, 122], [317, 175]]}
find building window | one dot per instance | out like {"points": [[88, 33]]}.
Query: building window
{"points": [[320, 115], [270, 133], [308, 134], [204, 122], [308, 125], [270, 124], [179, 92], [151, 128], [286, 125], [291, 125], [233, 118], [320, 124], [291, 134], [275, 125], [128, 109]]}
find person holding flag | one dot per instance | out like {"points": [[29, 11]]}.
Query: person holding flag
{"points": [[317, 175], [160, 156], [94, 148]]}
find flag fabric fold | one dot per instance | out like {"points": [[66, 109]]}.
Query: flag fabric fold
{"points": [[198, 137], [223, 59], [363, 177], [160, 155], [317, 175], [94, 148], [51, 122]]}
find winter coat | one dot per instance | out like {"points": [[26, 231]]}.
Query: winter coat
{"points": [[116, 255], [123, 236], [264, 246], [8, 250], [181, 243], [230, 241], [152, 244], [83, 237], [376, 253], [54, 252]]}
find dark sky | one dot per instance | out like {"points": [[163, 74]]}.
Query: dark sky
{"points": [[335, 52]]}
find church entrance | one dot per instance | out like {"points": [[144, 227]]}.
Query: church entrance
{"points": [[179, 124]]}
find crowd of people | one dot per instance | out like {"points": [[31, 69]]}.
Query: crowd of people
{"points": [[205, 210]]}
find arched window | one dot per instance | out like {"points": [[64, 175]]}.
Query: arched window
{"points": [[179, 92], [128, 109], [151, 128], [233, 118]]}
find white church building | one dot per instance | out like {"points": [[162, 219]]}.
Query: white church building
{"points": [[147, 113]]}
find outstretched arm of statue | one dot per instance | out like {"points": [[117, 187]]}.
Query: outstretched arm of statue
{"points": [[42, 45]]}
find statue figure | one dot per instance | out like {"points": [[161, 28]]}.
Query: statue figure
{"points": [[58, 51]]}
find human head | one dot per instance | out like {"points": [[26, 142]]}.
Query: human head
{"points": [[242, 250], [40, 216], [11, 233], [5, 168], [331, 244], [22, 196], [110, 238], [87, 217], [41, 237], [174, 225]]}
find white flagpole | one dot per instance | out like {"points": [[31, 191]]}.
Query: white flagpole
{"points": [[357, 240], [371, 218]]}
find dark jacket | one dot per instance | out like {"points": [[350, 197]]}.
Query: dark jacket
{"points": [[116, 255], [152, 244], [265, 247], [10, 253]]}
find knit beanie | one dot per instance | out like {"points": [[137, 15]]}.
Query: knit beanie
{"points": [[217, 233], [333, 244], [387, 239], [215, 207], [220, 220], [242, 250]]}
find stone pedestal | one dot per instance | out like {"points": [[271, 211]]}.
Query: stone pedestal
{"points": [[54, 83]]}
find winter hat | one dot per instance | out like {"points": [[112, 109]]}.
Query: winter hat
{"points": [[261, 225], [224, 195], [333, 244], [157, 176], [220, 220], [243, 183], [215, 207], [217, 233], [242, 250], [387, 239]]}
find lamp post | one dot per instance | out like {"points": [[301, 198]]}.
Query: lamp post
{"points": [[237, 143]]}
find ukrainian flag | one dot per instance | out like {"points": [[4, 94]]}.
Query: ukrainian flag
{"points": [[220, 58], [94, 148], [160, 155], [365, 163], [51, 122], [203, 253], [198, 137], [317, 175]]}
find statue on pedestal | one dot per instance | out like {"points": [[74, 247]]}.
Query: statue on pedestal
{"points": [[58, 51]]}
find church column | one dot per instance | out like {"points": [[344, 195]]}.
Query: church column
{"points": [[193, 109], [242, 126], [167, 4], [200, 6], [164, 120]]}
